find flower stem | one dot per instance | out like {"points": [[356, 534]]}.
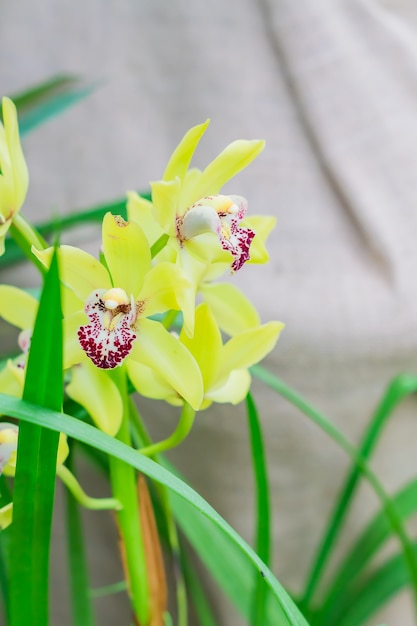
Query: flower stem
{"points": [[123, 481], [94, 504], [181, 590], [27, 236], [180, 433]]}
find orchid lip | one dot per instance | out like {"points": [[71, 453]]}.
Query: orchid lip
{"points": [[109, 336]]}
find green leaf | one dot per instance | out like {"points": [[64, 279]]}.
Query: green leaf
{"points": [[372, 537], [399, 388], [34, 486], [82, 610], [45, 100], [29, 412], [263, 509], [361, 466], [362, 600]]}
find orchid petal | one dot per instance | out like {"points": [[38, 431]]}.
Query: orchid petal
{"points": [[141, 211], [262, 226], [234, 158], [183, 153], [165, 199], [149, 384], [158, 349], [18, 163], [127, 253], [79, 270], [6, 515], [73, 353], [97, 393], [108, 337], [8, 382], [8, 446], [165, 287], [206, 344], [17, 306], [232, 310], [234, 390], [248, 348]]}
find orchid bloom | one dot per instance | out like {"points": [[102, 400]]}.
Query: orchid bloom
{"points": [[14, 178], [208, 231], [8, 450], [106, 320], [186, 203], [224, 367]]}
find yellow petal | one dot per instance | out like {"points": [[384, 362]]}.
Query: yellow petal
{"points": [[248, 348], [127, 253], [8, 382], [164, 288], [19, 167], [262, 226], [165, 199], [183, 153], [158, 349], [234, 158], [141, 211], [149, 384], [6, 515], [79, 270], [73, 353], [234, 390], [206, 344], [17, 307], [97, 393], [233, 311]]}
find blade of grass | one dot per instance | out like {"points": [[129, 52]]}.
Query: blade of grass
{"points": [[82, 610], [399, 388], [34, 487], [263, 509], [31, 413], [326, 426], [196, 591], [362, 600], [372, 537], [38, 104]]}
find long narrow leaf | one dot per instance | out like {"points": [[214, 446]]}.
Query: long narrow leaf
{"points": [[326, 426], [372, 537], [263, 509], [45, 100], [36, 466], [82, 610], [90, 435]]}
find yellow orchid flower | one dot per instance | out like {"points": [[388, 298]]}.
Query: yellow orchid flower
{"points": [[224, 367], [106, 320], [186, 204], [14, 177]]}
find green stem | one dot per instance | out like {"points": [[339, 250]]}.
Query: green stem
{"points": [[124, 489], [180, 433], [94, 504], [181, 590], [27, 236]]}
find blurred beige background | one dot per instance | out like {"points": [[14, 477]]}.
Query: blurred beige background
{"points": [[332, 87]]}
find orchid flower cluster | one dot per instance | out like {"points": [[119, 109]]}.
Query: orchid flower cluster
{"points": [[133, 309]]}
